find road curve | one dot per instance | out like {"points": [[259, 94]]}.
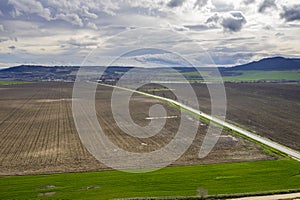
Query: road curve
{"points": [[286, 150]]}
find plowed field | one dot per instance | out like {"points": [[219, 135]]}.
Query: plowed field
{"points": [[38, 134]]}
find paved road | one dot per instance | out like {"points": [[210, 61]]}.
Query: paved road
{"points": [[290, 152], [272, 197]]}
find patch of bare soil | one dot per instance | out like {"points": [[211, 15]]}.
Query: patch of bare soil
{"points": [[47, 187], [46, 194], [90, 187]]}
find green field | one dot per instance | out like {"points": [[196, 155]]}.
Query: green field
{"points": [[251, 76], [246, 177], [12, 82], [265, 75]]}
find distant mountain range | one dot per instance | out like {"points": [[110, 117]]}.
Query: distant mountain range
{"points": [[68, 73]]}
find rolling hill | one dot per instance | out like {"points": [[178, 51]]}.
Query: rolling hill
{"points": [[271, 64], [267, 69]]}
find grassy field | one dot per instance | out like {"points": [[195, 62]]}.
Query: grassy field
{"points": [[293, 75], [245, 177], [12, 82], [264, 75]]}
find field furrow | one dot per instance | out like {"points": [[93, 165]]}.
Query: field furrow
{"points": [[38, 133]]}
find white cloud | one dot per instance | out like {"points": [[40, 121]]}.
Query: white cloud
{"points": [[175, 3], [72, 18], [60, 27], [92, 26], [222, 6], [87, 13], [200, 3], [247, 2], [31, 7], [233, 22], [267, 4]]}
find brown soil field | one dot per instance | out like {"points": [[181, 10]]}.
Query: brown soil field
{"points": [[38, 134], [271, 110]]}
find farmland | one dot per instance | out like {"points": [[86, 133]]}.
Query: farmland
{"points": [[150, 100], [293, 75], [12, 82], [38, 133], [34, 118], [38, 136], [272, 109], [231, 75]]}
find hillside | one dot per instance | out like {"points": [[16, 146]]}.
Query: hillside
{"points": [[271, 64], [39, 73]]}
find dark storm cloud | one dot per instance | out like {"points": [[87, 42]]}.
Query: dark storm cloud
{"points": [[233, 22], [291, 13], [175, 3], [266, 4]]}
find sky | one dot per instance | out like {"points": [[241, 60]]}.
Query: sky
{"points": [[65, 32]]}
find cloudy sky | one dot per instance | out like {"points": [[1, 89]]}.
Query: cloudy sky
{"points": [[64, 32]]}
